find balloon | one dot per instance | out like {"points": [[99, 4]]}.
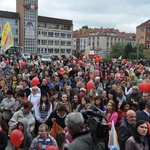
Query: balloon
{"points": [[22, 63], [143, 87], [74, 62], [16, 137], [6, 62], [121, 72], [83, 63], [90, 85], [124, 61], [35, 81], [100, 59], [117, 77], [51, 147], [97, 59], [139, 71], [62, 71]]}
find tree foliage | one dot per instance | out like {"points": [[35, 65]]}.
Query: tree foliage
{"points": [[85, 27], [126, 51], [117, 50]]}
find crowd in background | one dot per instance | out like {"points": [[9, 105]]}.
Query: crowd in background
{"points": [[62, 89]]}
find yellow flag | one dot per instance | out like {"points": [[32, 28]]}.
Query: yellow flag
{"points": [[7, 37]]}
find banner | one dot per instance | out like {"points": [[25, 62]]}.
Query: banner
{"points": [[30, 30], [7, 37]]}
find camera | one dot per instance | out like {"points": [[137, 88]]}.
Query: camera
{"points": [[97, 123]]}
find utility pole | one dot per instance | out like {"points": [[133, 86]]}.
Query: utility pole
{"points": [[138, 50]]}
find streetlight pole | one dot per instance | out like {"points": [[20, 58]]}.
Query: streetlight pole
{"points": [[138, 50]]}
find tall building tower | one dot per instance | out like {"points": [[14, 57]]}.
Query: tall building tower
{"points": [[28, 11]]}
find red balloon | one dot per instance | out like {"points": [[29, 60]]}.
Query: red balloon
{"points": [[144, 87], [51, 147], [139, 71], [16, 137], [35, 81], [6, 62], [97, 59], [117, 77], [100, 59], [83, 63], [90, 85], [22, 63], [124, 61], [121, 72], [62, 72]]}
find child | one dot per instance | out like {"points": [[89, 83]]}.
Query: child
{"points": [[61, 140], [23, 126], [43, 139]]}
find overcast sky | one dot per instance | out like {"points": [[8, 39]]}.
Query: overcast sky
{"points": [[124, 15]]}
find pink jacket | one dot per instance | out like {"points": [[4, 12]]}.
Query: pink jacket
{"points": [[112, 117]]}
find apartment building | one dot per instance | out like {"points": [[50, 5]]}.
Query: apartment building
{"points": [[38, 34], [143, 34], [100, 40]]}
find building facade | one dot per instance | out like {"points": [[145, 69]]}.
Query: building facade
{"points": [[100, 40], [38, 34], [143, 34]]}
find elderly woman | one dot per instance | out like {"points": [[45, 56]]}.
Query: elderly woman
{"points": [[23, 113]]}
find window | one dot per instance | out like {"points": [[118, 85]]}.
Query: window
{"points": [[42, 25], [141, 37], [50, 50], [14, 31], [44, 42], [53, 26], [148, 29], [142, 29], [63, 35], [148, 45], [62, 51], [56, 51], [68, 35], [63, 43], [50, 42], [39, 43], [66, 28], [57, 34], [68, 43], [68, 51], [44, 33], [148, 38], [56, 42], [50, 34]]}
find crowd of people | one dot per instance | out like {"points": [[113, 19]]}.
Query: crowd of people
{"points": [[49, 113]]}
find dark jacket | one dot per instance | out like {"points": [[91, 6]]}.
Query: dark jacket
{"points": [[141, 115], [27, 135], [3, 140], [84, 141], [125, 131]]}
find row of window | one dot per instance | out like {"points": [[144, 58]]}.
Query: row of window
{"points": [[54, 42], [54, 34], [54, 51], [53, 26], [13, 22]]}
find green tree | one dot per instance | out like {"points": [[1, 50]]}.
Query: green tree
{"points": [[128, 49], [85, 27], [117, 50]]}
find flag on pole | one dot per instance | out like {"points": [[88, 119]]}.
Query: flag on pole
{"points": [[7, 37], [120, 57], [113, 143]]}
